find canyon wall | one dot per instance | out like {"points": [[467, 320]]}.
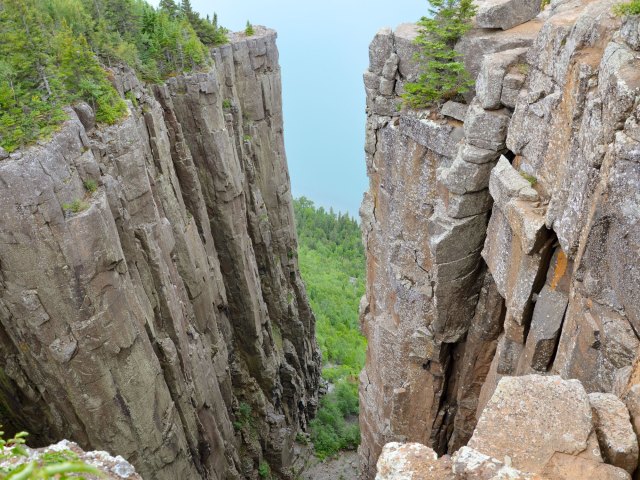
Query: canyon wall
{"points": [[502, 232], [150, 298]]}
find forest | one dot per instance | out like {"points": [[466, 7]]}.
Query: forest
{"points": [[332, 264], [56, 52]]}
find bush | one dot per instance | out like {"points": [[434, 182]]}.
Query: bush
{"points": [[630, 8], [332, 264], [443, 76], [52, 465], [249, 31], [330, 430], [90, 186], [264, 470], [76, 206]]}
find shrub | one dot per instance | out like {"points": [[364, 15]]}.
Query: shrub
{"points": [[226, 104], [244, 416], [51, 465], [264, 470], [90, 186], [630, 8], [443, 76], [76, 206], [330, 431], [249, 31]]}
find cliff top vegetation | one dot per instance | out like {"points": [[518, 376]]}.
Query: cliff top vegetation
{"points": [[53, 53], [443, 75]]}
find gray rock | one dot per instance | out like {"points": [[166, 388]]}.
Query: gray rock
{"points": [[469, 204], [506, 14], [86, 115], [630, 31], [454, 110], [486, 129], [511, 88], [472, 154], [463, 177], [480, 42], [175, 295], [617, 439], [545, 327], [491, 77], [531, 418], [507, 184]]}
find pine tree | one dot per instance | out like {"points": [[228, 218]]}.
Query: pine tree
{"points": [[170, 7], [443, 75]]}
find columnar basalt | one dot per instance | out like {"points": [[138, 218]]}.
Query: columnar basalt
{"points": [[162, 316], [502, 232]]}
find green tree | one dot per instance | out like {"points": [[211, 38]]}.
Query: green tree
{"points": [[443, 75], [249, 31], [170, 7]]}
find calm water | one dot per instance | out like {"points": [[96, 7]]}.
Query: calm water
{"points": [[323, 53]]}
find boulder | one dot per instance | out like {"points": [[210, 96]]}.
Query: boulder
{"points": [[545, 327], [506, 14], [463, 177], [85, 114], [454, 110], [530, 418], [486, 129], [489, 84], [617, 439], [412, 461]]}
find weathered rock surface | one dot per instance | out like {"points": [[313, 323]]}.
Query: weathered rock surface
{"points": [[617, 439], [506, 14], [508, 244], [533, 427], [144, 322]]}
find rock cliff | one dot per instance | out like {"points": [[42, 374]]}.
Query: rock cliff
{"points": [[150, 298], [503, 232]]}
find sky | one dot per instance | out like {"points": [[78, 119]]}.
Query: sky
{"points": [[324, 49]]}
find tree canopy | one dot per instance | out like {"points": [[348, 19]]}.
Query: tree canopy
{"points": [[332, 264], [443, 75], [54, 52]]}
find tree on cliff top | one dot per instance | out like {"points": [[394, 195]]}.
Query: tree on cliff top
{"points": [[443, 76]]}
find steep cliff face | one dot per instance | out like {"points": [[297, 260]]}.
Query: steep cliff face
{"points": [[502, 234], [161, 317]]}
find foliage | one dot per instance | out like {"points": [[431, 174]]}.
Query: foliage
{"points": [[76, 206], [330, 430], [264, 470], [332, 264], [629, 8], [529, 178], [443, 76], [249, 31], [244, 416], [544, 4], [51, 465], [90, 186], [53, 53]]}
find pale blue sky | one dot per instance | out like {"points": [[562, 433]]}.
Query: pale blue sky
{"points": [[323, 53]]}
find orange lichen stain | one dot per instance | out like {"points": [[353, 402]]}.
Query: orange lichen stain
{"points": [[561, 269]]}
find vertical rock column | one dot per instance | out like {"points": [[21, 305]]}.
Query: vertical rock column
{"points": [[162, 317], [424, 225]]}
